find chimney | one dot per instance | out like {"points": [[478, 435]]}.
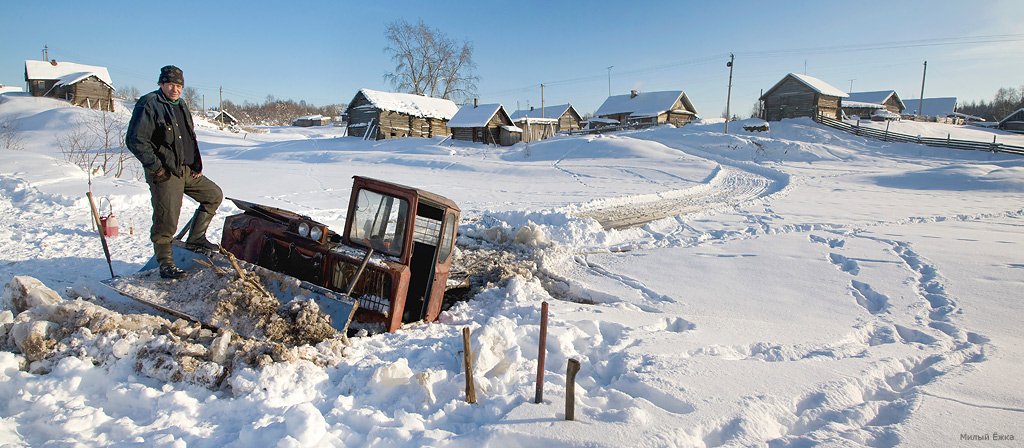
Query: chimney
{"points": [[53, 62], [475, 102], [633, 93]]}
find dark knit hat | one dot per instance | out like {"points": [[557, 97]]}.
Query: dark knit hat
{"points": [[170, 73]]}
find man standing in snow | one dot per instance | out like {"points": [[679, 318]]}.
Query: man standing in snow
{"points": [[162, 137]]}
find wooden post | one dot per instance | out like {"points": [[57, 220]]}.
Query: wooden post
{"points": [[993, 143], [541, 352], [570, 389], [728, 95], [886, 131], [467, 356], [947, 140]]}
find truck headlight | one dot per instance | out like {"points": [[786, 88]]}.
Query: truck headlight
{"points": [[315, 233], [304, 229]]}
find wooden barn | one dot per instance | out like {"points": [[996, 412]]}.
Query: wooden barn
{"points": [[541, 123], [311, 120], [224, 117], [799, 95], [649, 108], [82, 85], [1013, 122], [485, 123], [378, 115], [864, 104]]}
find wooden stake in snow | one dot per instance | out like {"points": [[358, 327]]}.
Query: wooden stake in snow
{"points": [[541, 351], [467, 355], [570, 389]]}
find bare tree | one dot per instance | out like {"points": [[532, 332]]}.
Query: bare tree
{"points": [[10, 135], [191, 97], [96, 144], [128, 92], [427, 62]]}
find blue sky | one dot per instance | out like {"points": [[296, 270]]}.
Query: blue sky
{"points": [[324, 52]]}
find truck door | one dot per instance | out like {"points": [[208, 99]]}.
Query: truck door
{"points": [[426, 237], [444, 264]]}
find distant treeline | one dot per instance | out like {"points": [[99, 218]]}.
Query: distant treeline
{"points": [[1006, 101], [272, 112], [277, 112]]}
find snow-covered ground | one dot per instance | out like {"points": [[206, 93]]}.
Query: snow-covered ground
{"points": [[791, 288]]}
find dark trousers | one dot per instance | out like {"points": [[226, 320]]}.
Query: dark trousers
{"points": [[166, 198]]}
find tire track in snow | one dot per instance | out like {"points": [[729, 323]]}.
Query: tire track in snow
{"points": [[728, 188], [733, 183]]}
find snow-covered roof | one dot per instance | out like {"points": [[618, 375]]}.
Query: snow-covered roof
{"points": [[72, 78], [932, 107], [815, 84], [877, 97], [602, 120], [534, 120], [311, 117], [548, 112], [9, 89], [511, 128], [227, 114], [1007, 118], [474, 116], [47, 70], [861, 104], [411, 104], [644, 104]]}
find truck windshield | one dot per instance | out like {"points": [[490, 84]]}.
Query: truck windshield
{"points": [[379, 222]]}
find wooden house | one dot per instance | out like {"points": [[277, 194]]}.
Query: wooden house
{"points": [[541, 123], [378, 115], [311, 120], [799, 95], [224, 117], [82, 85], [1013, 122], [865, 104], [485, 123], [649, 108]]}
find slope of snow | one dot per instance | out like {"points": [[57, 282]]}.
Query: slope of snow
{"points": [[791, 288]]}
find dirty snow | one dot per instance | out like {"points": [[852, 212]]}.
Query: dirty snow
{"points": [[791, 288]]}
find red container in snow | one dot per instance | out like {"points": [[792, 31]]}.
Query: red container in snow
{"points": [[108, 224]]}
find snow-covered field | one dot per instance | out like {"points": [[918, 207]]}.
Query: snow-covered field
{"points": [[791, 288]]}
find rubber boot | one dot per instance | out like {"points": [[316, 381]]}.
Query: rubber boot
{"points": [[197, 234]]}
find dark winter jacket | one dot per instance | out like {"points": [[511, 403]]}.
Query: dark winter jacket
{"points": [[151, 136]]}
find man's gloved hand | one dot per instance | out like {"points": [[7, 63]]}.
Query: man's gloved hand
{"points": [[196, 175]]}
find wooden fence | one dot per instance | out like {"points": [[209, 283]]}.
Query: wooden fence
{"points": [[947, 142]]}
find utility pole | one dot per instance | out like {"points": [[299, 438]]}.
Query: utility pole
{"points": [[542, 100], [851, 85], [220, 107], [920, 101], [46, 52], [610, 79], [728, 96]]}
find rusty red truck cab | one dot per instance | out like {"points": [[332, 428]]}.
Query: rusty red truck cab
{"points": [[411, 233]]}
